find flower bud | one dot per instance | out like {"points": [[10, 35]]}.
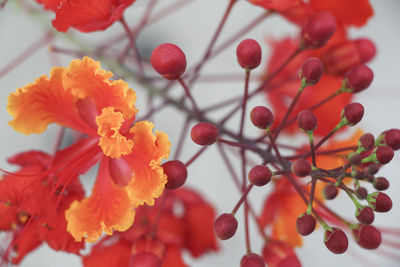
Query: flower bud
{"points": [[169, 61], [204, 134], [366, 141], [305, 224], [311, 70], [381, 183], [366, 49], [367, 236], [252, 260], [301, 167], [260, 175], [248, 54], [225, 226], [365, 215], [317, 30], [379, 202], [358, 78], [384, 154], [176, 173], [306, 121], [145, 258], [371, 169], [336, 240], [354, 158], [261, 117], [392, 138], [353, 113], [361, 193], [330, 191]]}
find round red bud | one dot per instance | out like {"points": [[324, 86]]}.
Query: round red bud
{"points": [[355, 158], [301, 167], [145, 259], [306, 121], [336, 240], [330, 191], [367, 236], [381, 183], [365, 215], [379, 202], [305, 224], [252, 260], [353, 112], [261, 117], [366, 141], [392, 138], [311, 70], [204, 134], [248, 54], [358, 78], [225, 226], [168, 60], [361, 193], [176, 173], [260, 175], [371, 169], [384, 154], [317, 30], [366, 49]]}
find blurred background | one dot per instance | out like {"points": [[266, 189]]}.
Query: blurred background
{"points": [[191, 28]]}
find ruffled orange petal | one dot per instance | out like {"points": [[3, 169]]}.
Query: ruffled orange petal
{"points": [[107, 209], [149, 179], [112, 142], [85, 78], [42, 102], [355, 12]]}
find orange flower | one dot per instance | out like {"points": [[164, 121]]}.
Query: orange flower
{"points": [[82, 97], [85, 16]]}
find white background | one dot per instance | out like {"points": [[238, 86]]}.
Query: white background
{"points": [[191, 29]]}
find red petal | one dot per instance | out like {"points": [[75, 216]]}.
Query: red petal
{"points": [[173, 257], [89, 15], [110, 251], [355, 12]]}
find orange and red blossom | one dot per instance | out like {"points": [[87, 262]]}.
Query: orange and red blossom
{"points": [[85, 16], [190, 229], [82, 97], [28, 209]]}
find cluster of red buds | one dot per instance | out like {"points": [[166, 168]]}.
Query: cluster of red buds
{"points": [[140, 199]]}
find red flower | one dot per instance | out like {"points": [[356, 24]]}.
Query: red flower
{"points": [[86, 16], [31, 209], [347, 13], [190, 228]]}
